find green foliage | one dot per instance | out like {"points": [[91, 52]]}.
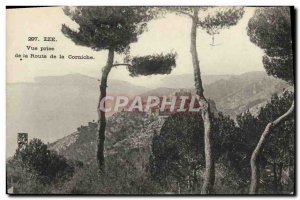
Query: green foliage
{"points": [[224, 130], [120, 179], [279, 149], [177, 157], [115, 28], [24, 181], [277, 158], [37, 170], [177, 152], [227, 180], [47, 165], [239, 146], [106, 27], [220, 18], [211, 19], [152, 64], [270, 29]]}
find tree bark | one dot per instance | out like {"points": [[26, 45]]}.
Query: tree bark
{"points": [[275, 179], [195, 181], [253, 162], [101, 114], [279, 178], [209, 174]]}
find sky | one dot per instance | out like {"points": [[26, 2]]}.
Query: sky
{"points": [[234, 53]]}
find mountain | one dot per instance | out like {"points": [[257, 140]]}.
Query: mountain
{"points": [[128, 147], [81, 81], [54, 106], [161, 91], [248, 91], [126, 133], [237, 93], [187, 80]]}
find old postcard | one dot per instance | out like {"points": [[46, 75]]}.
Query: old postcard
{"points": [[145, 100]]}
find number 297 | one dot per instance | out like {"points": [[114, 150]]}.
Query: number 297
{"points": [[32, 38]]}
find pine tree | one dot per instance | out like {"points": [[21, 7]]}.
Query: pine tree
{"points": [[113, 29], [270, 29], [214, 21]]}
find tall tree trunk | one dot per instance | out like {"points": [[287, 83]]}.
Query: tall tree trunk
{"points": [[195, 181], [179, 188], [101, 114], [209, 174], [253, 162], [275, 179], [279, 178]]}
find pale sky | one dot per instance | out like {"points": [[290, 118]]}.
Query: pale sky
{"points": [[234, 54]]}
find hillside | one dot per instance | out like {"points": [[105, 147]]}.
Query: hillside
{"points": [[127, 149], [41, 106], [237, 93], [52, 107], [187, 80], [247, 91], [82, 144]]}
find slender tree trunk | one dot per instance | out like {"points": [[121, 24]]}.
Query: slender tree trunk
{"points": [[195, 181], [209, 174], [101, 114], [178, 186], [253, 162], [275, 179], [277, 169], [279, 178], [189, 183]]}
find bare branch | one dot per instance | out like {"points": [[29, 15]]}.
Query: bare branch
{"points": [[125, 64]]}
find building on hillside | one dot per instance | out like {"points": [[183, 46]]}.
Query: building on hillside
{"points": [[167, 110], [22, 140]]}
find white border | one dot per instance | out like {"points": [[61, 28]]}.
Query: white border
{"points": [[105, 2]]}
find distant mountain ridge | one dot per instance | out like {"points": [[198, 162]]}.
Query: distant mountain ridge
{"points": [[187, 80], [245, 92], [237, 93], [52, 107]]}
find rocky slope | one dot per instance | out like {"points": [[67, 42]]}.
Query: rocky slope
{"points": [[246, 92], [126, 133], [52, 107], [237, 93]]}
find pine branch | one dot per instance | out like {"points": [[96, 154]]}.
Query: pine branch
{"points": [[125, 64], [185, 13]]}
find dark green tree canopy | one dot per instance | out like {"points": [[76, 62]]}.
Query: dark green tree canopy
{"points": [[212, 19], [177, 150], [152, 64], [107, 27], [220, 18], [37, 158], [270, 29], [281, 146], [115, 28]]}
